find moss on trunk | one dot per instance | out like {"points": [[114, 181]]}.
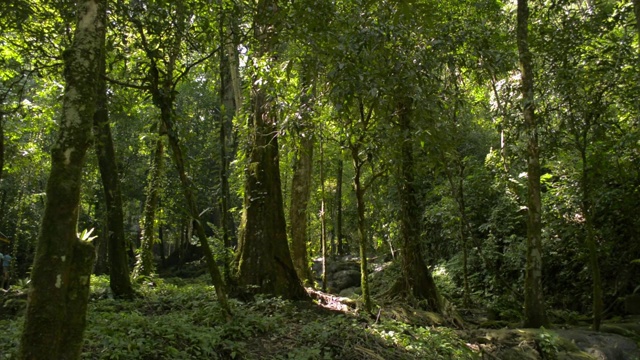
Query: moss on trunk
{"points": [[534, 309], [120, 281], [417, 276], [56, 308]]}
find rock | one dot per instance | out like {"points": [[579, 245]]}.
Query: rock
{"points": [[632, 304], [344, 279], [350, 292], [602, 345]]}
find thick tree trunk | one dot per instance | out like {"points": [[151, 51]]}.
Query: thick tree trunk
{"points": [[263, 254], [417, 276], [298, 214], [120, 281], [534, 308], [263, 258], [145, 263], [57, 303]]}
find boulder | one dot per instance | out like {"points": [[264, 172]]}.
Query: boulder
{"points": [[632, 304], [344, 279]]}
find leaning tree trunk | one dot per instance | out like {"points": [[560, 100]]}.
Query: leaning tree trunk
{"points": [[178, 160], [534, 309], [417, 276], [58, 296], [263, 256], [120, 281]]}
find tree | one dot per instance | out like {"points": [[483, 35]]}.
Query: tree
{"points": [[301, 184], [534, 308], [263, 256], [417, 277], [57, 303], [120, 281]]}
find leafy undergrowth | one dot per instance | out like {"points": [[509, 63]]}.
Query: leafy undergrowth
{"points": [[174, 319]]}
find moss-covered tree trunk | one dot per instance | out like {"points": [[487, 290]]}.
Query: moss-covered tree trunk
{"points": [[263, 256], [417, 277], [229, 109], [58, 296], [298, 214], [145, 263], [120, 281], [301, 184], [534, 308]]}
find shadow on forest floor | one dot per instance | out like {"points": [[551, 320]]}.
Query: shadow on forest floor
{"points": [[180, 319]]}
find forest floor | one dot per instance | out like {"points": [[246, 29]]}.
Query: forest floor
{"points": [[180, 319]]}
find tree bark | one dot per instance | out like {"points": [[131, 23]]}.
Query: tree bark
{"points": [[298, 211], [417, 276], [301, 185], [534, 308], [58, 296], [120, 281], [229, 108], [263, 257], [162, 91], [145, 264], [362, 232], [338, 228]]}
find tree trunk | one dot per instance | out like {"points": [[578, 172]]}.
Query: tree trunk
{"points": [[417, 276], [587, 210], [301, 182], [338, 228], [1, 144], [145, 264], [228, 110], [323, 222], [120, 281], [263, 258], [178, 160], [534, 308], [58, 296], [362, 233], [300, 194], [636, 11]]}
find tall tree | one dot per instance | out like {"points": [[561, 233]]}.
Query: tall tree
{"points": [[301, 185], [119, 279], [417, 277], [263, 256], [534, 308], [57, 303], [145, 260]]}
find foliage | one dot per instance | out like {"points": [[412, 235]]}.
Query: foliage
{"points": [[174, 319]]}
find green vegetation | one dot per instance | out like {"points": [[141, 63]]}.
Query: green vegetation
{"points": [[459, 178], [178, 319]]}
